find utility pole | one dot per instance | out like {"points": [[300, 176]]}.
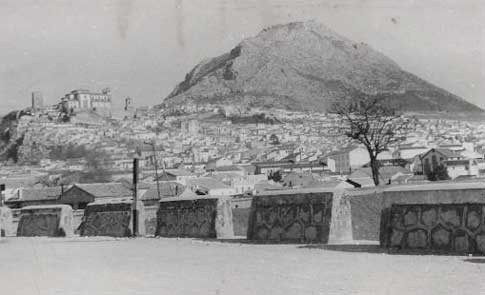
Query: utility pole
{"points": [[135, 197], [2, 189], [156, 169], [155, 160]]}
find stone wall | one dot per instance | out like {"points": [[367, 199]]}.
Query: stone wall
{"points": [[195, 217], [48, 220], [297, 217], [425, 210], [107, 219], [450, 228]]}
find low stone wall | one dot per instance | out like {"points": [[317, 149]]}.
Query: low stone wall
{"points": [[208, 217], [445, 217], [450, 228], [291, 216], [107, 219], [48, 220]]}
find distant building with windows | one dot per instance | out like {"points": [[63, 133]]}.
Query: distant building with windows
{"points": [[436, 157], [85, 100]]}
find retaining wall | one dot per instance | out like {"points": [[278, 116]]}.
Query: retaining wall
{"points": [[291, 216], [208, 217], [455, 228], [48, 220], [447, 217], [107, 219]]}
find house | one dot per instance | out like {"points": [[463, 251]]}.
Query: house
{"points": [[79, 195], [345, 160], [179, 175], [464, 167], [34, 196], [161, 190], [436, 157]]}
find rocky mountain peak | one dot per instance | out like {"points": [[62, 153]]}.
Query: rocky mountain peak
{"points": [[302, 66]]}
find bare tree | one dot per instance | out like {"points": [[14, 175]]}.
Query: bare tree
{"points": [[373, 122]]}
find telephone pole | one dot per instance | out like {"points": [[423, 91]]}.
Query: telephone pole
{"points": [[135, 197]]}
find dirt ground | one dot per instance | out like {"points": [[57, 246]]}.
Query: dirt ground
{"points": [[186, 266]]}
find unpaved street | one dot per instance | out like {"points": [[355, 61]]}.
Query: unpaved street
{"points": [[185, 266]]}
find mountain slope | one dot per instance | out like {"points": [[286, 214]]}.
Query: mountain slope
{"points": [[302, 66]]}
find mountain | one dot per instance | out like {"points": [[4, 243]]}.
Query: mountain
{"points": [[302, 66]]}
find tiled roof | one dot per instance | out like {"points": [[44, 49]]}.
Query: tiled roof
{"points": [[446, 152], [167, 190], [104, 190], [37, 194]]}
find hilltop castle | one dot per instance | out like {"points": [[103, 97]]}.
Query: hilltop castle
{"points": [[85, 100]]}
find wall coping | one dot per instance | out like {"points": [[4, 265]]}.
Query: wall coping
{"points": [[34, 207], [193, 198], [437, 187], [298, 191]]}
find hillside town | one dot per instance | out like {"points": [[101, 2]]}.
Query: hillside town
{"points": [[218, 148], [242, 147]]}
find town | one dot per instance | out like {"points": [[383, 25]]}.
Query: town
{"points": [[188, 147], [302, 148]]}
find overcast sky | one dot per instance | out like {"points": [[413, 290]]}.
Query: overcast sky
{"points": [[143, 48]]}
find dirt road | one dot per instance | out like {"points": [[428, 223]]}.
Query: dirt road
{"points": [[184, 266]]}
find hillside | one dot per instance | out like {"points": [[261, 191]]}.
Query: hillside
{"points": [[302, 66]]}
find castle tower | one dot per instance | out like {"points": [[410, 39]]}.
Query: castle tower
{"points": [[37, 101]]}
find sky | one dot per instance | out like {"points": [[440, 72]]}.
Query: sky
{"points": [[143, 48]]}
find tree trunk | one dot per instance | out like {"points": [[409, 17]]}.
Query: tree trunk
{"points": [[374, 165]]}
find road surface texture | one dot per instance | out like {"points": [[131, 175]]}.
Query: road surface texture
{"points": [[184, 266]]}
